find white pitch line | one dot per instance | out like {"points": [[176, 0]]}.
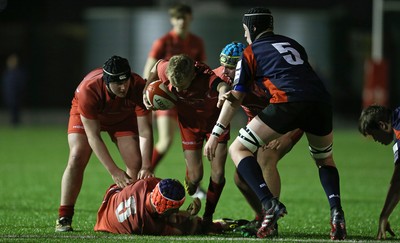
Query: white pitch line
{"points": [[168, 238]]}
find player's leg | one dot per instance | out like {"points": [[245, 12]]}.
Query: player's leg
{"points": [[242, 150], [216, 184], [321, 151], [72, 179], [320, 138], [129, 149], [166, 125], [194, 170], [268, 158]]}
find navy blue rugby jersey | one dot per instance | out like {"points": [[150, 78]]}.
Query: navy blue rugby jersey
{"points": [[280, 66], [396, 129]]}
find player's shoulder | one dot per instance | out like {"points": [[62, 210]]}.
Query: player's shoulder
{"points": [[94, 74]]}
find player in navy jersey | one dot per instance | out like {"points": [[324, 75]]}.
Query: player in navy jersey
{"points": [[383, 125], [268, 156], [298, 99]]}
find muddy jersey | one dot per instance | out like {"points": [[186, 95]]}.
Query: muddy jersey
{"points": [[93, 101], [171, 44], [280, 65], [128, 211]]}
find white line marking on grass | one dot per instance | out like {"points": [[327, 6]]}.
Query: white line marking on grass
{"points": [[175, 238]]}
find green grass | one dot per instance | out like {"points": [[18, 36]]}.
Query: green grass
{"points": [[33, 158]]}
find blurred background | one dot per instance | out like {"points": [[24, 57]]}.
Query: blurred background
{"points": [[59, 41]]}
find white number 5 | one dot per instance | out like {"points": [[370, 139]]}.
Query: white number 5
{"points": [[289, 53]]}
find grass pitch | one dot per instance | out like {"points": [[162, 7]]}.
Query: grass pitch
{"points": [[33, 158]]}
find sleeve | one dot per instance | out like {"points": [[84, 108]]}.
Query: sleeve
{"points": [[157, 50], [243, 72], [88, 102], [162, 70]]}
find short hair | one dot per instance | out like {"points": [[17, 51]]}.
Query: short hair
{"points": [[116, 69], [167, 194], [371, 116], [179, 10], [179, 68]]}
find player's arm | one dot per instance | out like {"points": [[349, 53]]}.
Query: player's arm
{"points": [[392, 199], [146, 144], [153, 76], [223, 91], [233, 101], [148, 67], [92, 129]]}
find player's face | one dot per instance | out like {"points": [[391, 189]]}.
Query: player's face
{"points": [[229, 72], [120, 89], [382, 136], [247, 34], [181, 85], [181, 24]]}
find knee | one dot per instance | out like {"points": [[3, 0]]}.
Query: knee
{"points": [[78, 161], [325, 162]]}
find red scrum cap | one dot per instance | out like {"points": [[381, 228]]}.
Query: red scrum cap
{"points": [[168, 194]]}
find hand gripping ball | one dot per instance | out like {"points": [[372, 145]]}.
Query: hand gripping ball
{"points": [[159, 96]]}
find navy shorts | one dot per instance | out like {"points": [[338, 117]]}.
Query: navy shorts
{"points": [[311, 117]]}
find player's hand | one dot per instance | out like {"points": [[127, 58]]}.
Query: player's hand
{"points": [[384, 226], [194, 207], [121, 178], [222, 97], [146, 102], [144, 173], [210, 147], [274, 144]]}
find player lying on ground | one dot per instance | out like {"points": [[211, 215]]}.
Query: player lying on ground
{"points": [[151, 207]]}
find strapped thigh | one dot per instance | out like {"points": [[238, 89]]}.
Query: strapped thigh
{"points": [[321, 153], [250, 139]]}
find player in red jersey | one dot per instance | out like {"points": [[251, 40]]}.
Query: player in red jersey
{"points": [[148, 207], [298, 99], [197, 89], [108, 99], [267, 156], [177, 41]]}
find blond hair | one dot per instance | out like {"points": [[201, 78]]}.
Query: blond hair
{"points": [[180, 68]]}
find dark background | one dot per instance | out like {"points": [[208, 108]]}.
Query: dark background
{"points": [[52, 38]]}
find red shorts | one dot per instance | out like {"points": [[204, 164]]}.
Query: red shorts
{"points": [[127, 127], [193, 138]]}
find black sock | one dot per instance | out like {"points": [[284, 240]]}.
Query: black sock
{"points": [[251, 172], [329, 177]]}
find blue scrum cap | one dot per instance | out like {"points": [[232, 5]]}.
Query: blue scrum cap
{"points": [[231, 54]]}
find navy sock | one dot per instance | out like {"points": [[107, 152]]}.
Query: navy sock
{"points": [[329, 177], [251, 172]]}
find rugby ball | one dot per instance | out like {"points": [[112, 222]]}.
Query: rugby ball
{"points": [[159, 96]]}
